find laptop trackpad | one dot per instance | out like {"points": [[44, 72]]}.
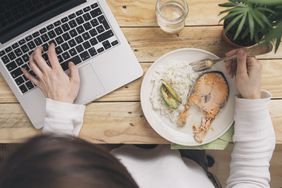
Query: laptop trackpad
{"points": [[90, 86]]}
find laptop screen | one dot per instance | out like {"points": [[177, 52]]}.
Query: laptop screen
{"points": [[16, 16]]}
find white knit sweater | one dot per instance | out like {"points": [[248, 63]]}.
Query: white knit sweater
{"points": [[161, 167]]}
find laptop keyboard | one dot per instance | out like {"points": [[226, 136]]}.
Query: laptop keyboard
{"points": [[78, 37]]}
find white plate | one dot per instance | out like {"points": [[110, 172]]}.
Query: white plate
{"points": [[169, 130]]}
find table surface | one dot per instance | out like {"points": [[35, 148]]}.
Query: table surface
{"points": [[118, 117]]}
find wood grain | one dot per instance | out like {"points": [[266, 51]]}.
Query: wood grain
{"points": [[107, 122], [142, 12], [271, 79]]}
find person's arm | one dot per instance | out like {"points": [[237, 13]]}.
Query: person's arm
{"points": [[254, 136], [60, 89]]}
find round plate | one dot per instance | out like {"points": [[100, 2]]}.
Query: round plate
{"points": [[169, 130]]}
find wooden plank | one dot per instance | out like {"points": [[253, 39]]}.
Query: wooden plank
{"points": [[151, 43], [142, 12], [271, 81], [119, 122]]}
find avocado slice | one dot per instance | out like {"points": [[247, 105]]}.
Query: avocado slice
{"points": [[169, 100], [171, 91]]}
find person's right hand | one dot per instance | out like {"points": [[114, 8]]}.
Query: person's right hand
{"points": [[247, 72]]}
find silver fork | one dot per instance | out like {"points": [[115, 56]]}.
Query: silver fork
{"points": [[255, 50]]}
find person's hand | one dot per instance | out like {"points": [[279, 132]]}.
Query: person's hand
{"points": [[247, 72], [53, 81]]}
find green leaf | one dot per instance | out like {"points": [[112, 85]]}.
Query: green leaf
{"points": [[240, 26], [230, 15], [266, 10], [251, 25], [256, 18], [233, 22], [266, 2], [229, 4], [263, 18]]}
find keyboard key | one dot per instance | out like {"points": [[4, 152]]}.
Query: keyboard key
{"points": [[43, 30], [45, 56], [104, 36], [93, 32], [78, 39], [2, 53], [66, 55], [79, 12], [28, 38], [100, 29], [15, 73], [80, 29], [94, 22], [45, 47], [86, 45], [79, 48], [60, 58], [19, 62], [31, 45], [85, 36], [92, 51], [24, 48], [5, 59], [65, 65], [11, 66], [25, 58], [72, 24], [86, 16], [58, 31], [38, 41], [18, 52], [21, 42], [57, 23], [72, 16], [72, 52], [26, 67], [66, 36], [58, 50], [51, 34], [72, 43], [36, 34], [86, 9], [65, 19], [44, 38], [65, 27], [19, 80], [114, 43], [12, 55], [87, 26], [23, 89], [96, 12], [8, 49], [79, 20], [94, 5], [103, 21], [93, 41], [76, 60], [29, 85], [59, 40], [15, 45], [100, 50], [50, 27], [84, 56], [106, 44], [65, 46], [73, 33]]}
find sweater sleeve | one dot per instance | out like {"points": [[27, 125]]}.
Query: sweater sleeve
{"points": [[254, 140], [63, 118]]}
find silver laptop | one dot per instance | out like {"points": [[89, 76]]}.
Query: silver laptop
{"points": [[84, 31]]}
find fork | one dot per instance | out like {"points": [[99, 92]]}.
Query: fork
{"points": [[255, 50]]}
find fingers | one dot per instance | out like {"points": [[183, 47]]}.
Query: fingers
{"points": [[38, 59], [52, 55], [34, 67], [74, 74], [29, 76], [241, 63], [231, 53]]}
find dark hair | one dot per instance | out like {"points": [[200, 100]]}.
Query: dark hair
{"points": [[63, 162]]}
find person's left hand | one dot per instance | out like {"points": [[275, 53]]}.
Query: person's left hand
{"points": [[53, 81]]}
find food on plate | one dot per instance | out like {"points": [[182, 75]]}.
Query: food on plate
{"points": [[209, 94], [169, 95]]}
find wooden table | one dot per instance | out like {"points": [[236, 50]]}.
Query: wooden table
{"points": [[117, 117]]}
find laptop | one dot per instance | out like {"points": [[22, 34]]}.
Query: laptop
{"points": [[84, 32]]}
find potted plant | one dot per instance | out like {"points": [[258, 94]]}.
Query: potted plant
{"points": [[247, 22]]}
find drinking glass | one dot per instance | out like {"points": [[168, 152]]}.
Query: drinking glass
{"points": [[171, 15]]}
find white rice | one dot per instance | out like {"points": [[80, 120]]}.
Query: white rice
{"points": [[181, 76]]}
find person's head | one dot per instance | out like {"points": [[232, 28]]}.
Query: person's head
{"points": [[63, 162]]}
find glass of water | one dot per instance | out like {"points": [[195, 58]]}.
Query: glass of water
{"points": [[171, 15]]}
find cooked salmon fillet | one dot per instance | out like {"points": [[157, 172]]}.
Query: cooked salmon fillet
{"points": [[209, 94]]}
